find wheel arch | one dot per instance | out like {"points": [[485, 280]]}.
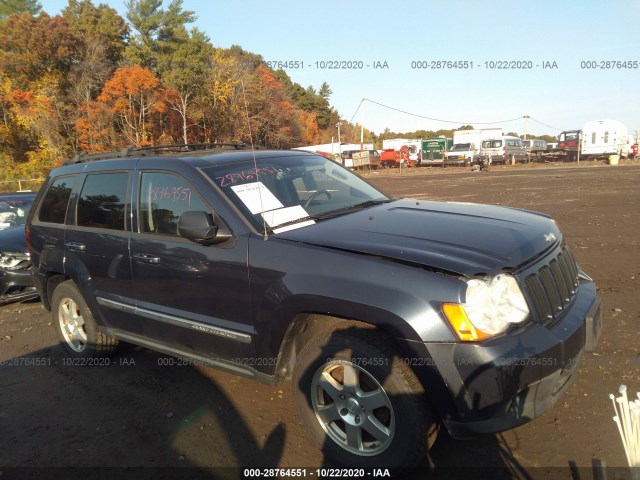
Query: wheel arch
{"points": [[305, 326], [53, 279]]}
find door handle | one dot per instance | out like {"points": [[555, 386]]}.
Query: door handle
{"points": [[75, 246], [144, 258]]}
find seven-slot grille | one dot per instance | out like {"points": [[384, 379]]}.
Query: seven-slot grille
{"points": [[552, 287]]}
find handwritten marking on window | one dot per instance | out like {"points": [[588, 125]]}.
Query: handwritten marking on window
{"points": [[172, 194], [246, 175]]}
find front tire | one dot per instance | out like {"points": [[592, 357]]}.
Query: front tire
{"points": [[361, 404], [77, 330]]}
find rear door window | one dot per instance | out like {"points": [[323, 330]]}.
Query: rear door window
{"points": [[102, 201]]}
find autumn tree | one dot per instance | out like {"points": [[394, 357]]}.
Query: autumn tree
{"points": [[101, 24], [310, 101], [36, 54], [32, 47], [184, 70], [101, 34], [178, 56], [225, 116], [132, 95], [310, 133], [272, 114]]}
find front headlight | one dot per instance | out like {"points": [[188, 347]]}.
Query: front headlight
{"points": [[14, 261], [490, 307]]}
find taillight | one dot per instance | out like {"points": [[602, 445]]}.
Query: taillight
{"points": [[27, 235]]}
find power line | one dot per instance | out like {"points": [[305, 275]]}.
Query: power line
{"points": [[548, 126], [431, 118], [357, 110]]}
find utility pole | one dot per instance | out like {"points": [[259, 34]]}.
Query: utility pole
{"points": [[526, 118], [361, 125], [339, 142]]}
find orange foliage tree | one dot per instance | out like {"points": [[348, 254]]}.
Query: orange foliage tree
{"points": [[132, 96], [309, 132], [272, 114]]}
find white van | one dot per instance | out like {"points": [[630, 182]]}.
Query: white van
{"points": [[504, 149]]}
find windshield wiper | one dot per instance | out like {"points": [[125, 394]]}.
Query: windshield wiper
{"points": [[333, 213], [299, 220], [358, 206]]}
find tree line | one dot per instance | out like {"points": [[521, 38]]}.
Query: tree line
{"points": [[90, 81]]}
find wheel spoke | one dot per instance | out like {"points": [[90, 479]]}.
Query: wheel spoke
{"points": [[78, 336], [351, 380], [328, 413], [377, 429], [66, 313], [354, 437], [372, 400], [330, 385]]}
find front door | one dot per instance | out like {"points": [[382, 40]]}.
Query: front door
{"points": [[192, 298]]}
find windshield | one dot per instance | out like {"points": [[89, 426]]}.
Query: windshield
{"points": [[461, 147], [288, 192]]}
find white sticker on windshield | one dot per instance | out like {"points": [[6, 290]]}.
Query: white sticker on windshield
{"points": [[257, 197], [284, 215]]}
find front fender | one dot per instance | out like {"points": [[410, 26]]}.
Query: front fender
{"points": [[289, 279]]}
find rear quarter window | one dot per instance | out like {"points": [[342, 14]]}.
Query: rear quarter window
{"points": [[54, 203]]}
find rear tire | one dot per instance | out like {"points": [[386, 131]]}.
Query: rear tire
{"points": [[77, 330], [361, 404]]}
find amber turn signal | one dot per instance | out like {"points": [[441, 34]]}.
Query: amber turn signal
{"points": [[461, 324]]}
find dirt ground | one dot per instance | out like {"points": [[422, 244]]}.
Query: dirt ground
{"points": [[140, 411]]}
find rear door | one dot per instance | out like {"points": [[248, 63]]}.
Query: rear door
{"points": [[96, 247], [192, 298]]}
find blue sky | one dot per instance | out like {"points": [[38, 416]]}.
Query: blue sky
{"points": [[405, 31]]}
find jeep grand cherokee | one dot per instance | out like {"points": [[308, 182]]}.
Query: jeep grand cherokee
{"points": [[390, 317]]}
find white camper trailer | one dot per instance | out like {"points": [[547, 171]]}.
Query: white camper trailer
{"points": [[601, 138]]}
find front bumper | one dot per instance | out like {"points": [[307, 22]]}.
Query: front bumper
{"points": [[505, 382], [457, 160], [16, 285]]}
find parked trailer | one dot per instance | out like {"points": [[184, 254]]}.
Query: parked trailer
{"points": [[366, 158], [596, 139], [434, 151], [601, 138]]}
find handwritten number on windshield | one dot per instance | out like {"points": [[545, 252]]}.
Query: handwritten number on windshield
{"points": [[246, 175]]}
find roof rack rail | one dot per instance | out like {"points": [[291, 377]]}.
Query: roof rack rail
{"points": [[133, 151]]}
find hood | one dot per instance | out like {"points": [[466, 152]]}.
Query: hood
{"points": [[13, 240], [461, 238]]}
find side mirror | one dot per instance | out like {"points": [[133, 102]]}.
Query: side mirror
{"points": [[199, 227]]}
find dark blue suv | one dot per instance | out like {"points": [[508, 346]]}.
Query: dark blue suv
{"points": [[390, 317]]}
